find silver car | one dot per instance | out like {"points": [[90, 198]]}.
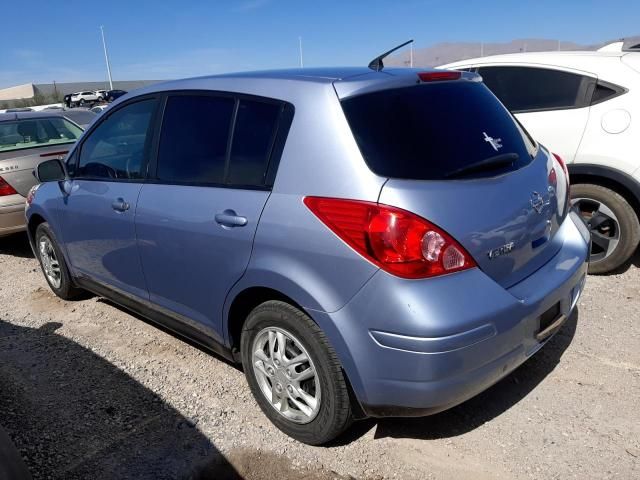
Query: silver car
{"points": [[26, 139]]}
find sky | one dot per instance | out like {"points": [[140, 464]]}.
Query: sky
{"points": [[44, 40]]}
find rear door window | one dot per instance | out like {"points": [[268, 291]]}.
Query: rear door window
{"points": [[431, 131], [194, 138], [218, 140], [525, 89]]}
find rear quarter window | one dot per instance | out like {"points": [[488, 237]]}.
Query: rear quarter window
{"points": [[527, 89], [429, 131]]}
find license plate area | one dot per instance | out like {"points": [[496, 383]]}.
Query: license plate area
{"points": [[550, 322]]}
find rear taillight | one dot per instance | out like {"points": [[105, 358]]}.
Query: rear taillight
{"points": [[439, 76], [5, 188], [565, 170], [398, 241], [32, 194]]}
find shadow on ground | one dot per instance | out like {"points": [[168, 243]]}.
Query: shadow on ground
{"points": [[187, 340], [16, 245], [72, 414], [480, 409]]}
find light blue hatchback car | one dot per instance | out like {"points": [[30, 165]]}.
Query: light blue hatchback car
{"points": [[385, 242]]}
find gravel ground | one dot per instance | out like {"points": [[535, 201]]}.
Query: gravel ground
{"points": [[88, 390]]}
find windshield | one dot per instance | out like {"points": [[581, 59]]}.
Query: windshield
{"points": [[432, 131], [37, 132]]}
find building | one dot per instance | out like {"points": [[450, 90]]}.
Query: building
{"points": [[48, 91]]}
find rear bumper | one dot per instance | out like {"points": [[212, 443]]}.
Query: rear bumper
{"points": [[417, 347], [12, 218]]}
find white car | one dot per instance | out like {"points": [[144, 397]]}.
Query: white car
{"points": [[98, 109], [81, 98], [585, 107], [101, 94]]}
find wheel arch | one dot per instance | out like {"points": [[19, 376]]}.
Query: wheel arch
{"points": [[32, 225], [242, 304], [613, 179], [245, 300]]}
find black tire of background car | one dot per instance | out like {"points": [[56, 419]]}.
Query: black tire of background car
{"points": [[629, 225], [67, 290], [335, 414]]}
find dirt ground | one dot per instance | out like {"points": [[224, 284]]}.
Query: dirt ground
{"points": [[88, 390]]}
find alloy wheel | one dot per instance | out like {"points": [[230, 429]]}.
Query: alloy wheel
{"points": [[286, 374], [603, 225], [49, 261]]}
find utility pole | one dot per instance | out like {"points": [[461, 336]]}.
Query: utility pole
{"points": [[411, 54], [55, 91], [106, 58], [300, 47]]}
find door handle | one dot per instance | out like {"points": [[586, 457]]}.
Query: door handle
{"points": [[229, 219], [119, 205]]}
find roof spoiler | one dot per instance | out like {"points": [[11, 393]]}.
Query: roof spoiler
{"points": [[624, 45]]}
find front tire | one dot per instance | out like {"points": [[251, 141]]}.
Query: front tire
{"points": [[53, 264], [614, 226], [294, 374]]}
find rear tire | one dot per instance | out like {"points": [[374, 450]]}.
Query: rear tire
{"points": [[614, 225], [53, 264], [269, 379]]}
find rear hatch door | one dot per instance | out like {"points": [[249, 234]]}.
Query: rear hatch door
{"points": [[455, 156]]}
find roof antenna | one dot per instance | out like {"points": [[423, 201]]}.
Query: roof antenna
{"points": [[377, 65]]}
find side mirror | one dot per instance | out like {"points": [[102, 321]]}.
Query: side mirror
{"points": [[51, 171]]}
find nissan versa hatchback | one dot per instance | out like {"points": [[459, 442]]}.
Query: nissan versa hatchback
{"points": [[365, 242]]}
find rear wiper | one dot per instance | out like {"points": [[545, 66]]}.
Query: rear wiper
{"points": [[488, 164]]}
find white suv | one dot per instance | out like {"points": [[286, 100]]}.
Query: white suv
{"points": [[582, 106], [80, 98]]}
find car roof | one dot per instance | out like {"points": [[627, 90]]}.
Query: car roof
{"points": [[313, 75], [346, 80], [12, 116], [587, 61]]}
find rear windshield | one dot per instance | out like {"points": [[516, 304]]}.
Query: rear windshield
{"points": [[430, 131], [37, 132]]}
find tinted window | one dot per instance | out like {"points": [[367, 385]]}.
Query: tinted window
{"points": [[37, 132], [526, 88], [604, 92], [116, 148], [429, 131], [253, 138], [193, 142]]}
